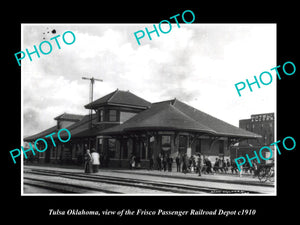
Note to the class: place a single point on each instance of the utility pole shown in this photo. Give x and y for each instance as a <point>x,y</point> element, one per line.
<point>91,99</point>
<point>91,93</point>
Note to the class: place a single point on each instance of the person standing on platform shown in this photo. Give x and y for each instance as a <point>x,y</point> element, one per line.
<point>87,161</point>
<point>241,170</point>
<point>208,166</point>
<point>184,163</point>
<point>161,161</point>
<point>132,162</point>
<point>95,160</point>
<point>151,162</point>
<point>170,162</point>
<point>158,161</point>
<point>178,162</point>
<point>165,162</point>
<point>101,160</point>
<point>200,164</point>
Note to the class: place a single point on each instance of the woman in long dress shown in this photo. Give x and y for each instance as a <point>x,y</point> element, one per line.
<point>87,161</point>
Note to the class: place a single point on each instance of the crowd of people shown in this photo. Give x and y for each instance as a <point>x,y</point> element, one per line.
<point>197,163</point>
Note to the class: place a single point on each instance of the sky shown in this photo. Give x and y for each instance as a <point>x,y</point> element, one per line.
<point>198,64</point>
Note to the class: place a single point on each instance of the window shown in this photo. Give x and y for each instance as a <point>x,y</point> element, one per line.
<point>100,145</point>
<point>182,144</point>
<point>100,115</point>
<point>182,141</point>
<point>126,116</point>
<point>166,142</point>
<point>125,149</point>
<point>112,148</point>
<point>270,117</point>
<point>198,146</point>
<point>151,146</point>
<point>247,127</point>
<point>112,115</point>
<point>52,152</point>
<point>221,147</point>
<point>143,151</point>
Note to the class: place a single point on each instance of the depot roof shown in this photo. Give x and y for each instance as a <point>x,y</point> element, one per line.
<point>80,129</point>
<point>41,134</point>
<point>167,115</point>
<point>75,129</point>
<point>118,97</point>
<point>176,115</point>
<point>69,117</point>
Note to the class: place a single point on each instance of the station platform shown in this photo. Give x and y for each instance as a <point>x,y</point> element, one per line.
<point>228,178</point>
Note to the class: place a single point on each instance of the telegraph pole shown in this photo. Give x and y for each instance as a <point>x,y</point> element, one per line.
<point>91,85</point>
<point>92,79</point>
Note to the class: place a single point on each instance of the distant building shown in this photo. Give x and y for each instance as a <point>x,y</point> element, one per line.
<point>262,124</point>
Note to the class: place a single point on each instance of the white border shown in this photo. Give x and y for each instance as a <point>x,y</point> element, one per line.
<point>178,195</point>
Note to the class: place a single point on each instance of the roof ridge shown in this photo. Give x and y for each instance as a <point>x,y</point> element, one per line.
<point>197,122</point>
<point>195,109</point>
<point>114,93</point>
<point>132,119</point>
<point>217,119</point>
<point>65,114</point>
<point>174,101</point>
<point>81,122</point>
<point>170,101</point>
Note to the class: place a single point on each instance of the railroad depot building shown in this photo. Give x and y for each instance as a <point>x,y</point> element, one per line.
<point>123,124</point>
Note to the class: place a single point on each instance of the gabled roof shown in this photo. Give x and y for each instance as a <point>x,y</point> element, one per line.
<point>166,115</point>
<point>41,134</point>
<point>118,97</point>
<point>176,115</point>
<point>162,116</point>
<point>69,117</point>
<point>219,126</point>
<point>75,129</point>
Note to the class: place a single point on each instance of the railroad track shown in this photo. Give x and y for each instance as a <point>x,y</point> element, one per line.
<point>129,182</point>
<point>60,187</point>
